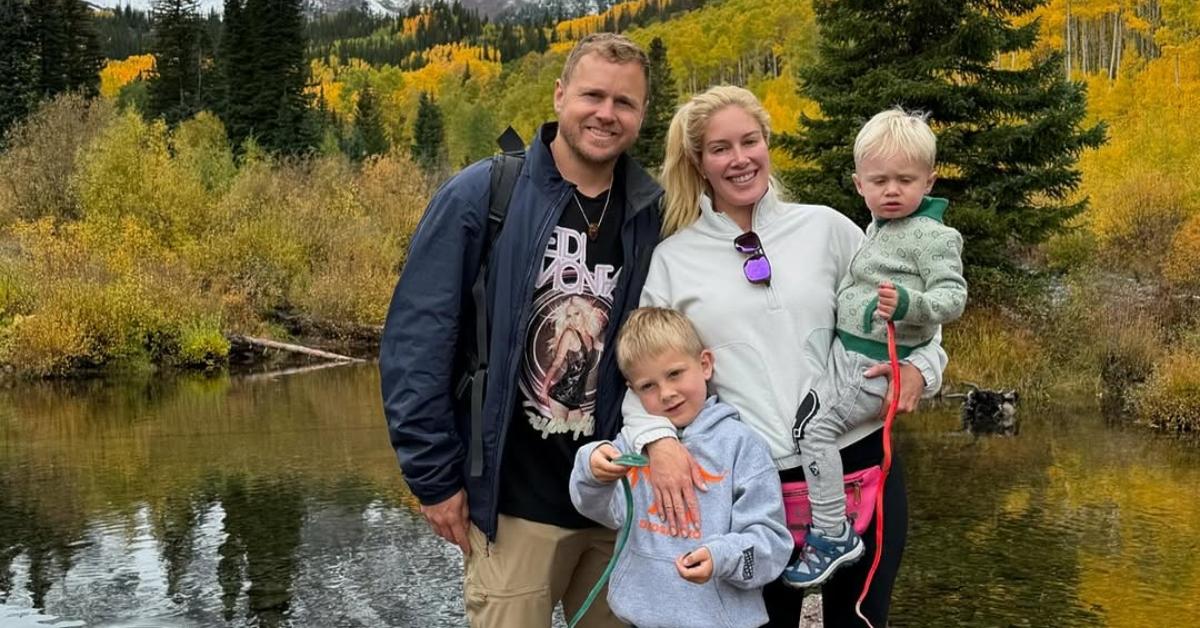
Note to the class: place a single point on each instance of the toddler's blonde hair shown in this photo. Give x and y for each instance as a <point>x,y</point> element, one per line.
<point>896,132</point>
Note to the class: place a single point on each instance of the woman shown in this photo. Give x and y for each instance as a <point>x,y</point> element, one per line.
<point>575,351</point>
<point>758,277</point>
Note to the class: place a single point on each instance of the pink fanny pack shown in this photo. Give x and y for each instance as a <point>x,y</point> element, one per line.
<point>862,487</point>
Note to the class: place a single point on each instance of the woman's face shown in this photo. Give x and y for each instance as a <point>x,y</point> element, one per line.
<point>734,159</point>
<point>574,316</point>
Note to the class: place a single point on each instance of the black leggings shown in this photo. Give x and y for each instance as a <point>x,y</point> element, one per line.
<point>841,592</point>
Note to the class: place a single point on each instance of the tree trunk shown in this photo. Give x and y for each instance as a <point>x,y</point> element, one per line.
<point>1115,59</point>
<point>283,346</point>
<point>1067,45</point>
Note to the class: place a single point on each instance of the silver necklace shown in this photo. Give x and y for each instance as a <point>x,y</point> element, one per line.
<point>594,227</point>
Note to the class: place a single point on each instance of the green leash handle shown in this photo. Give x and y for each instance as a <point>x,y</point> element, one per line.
<point>629,460</point>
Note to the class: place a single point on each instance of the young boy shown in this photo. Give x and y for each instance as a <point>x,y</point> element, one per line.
<point>908,270</point>
<point>742,542</point>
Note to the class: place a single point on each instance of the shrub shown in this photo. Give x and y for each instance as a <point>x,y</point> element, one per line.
<point>128,172</point>
<point>43,152</point>
<point>1170,400</point>
<point>1182,265</point>
<point>991,348</point>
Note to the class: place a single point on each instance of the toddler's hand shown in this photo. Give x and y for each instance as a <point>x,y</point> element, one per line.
<point>603,467</point>
<point>695,566</point>
<point>889,298</point>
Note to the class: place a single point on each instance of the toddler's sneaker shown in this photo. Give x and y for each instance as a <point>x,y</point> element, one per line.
<point>821,556</point>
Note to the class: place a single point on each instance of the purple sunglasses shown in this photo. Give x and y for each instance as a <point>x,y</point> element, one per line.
<point>757,267</point>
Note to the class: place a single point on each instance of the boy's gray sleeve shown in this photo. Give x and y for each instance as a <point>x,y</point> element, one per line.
<point>757,547</point>
<point>602,502</point>
<point>945,295</point>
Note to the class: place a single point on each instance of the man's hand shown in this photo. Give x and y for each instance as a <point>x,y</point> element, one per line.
<point>450,520</point>
<point>912,384</point>
<point>603,467</point>
<point>695,566</point>
<point>889,299</point>
<point>673,472</point>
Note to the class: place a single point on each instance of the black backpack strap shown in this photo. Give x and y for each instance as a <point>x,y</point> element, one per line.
<point>506,168</point>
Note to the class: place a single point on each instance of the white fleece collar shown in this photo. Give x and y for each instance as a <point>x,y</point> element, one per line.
<point>718,224</point>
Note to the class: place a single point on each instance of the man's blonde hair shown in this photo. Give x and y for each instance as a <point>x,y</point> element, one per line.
<point>896,132</point>
<point>611,47</point>
<point>651,331</point>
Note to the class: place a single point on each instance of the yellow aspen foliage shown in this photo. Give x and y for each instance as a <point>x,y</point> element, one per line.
<point>576,28</point>
<point>118,74</point>
<point>1182,266</point>
<point>450,60</point>
<point>410,25</point>
<point>1141,183</point>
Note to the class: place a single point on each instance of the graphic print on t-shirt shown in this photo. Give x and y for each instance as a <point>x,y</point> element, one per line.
<point>566,337</point>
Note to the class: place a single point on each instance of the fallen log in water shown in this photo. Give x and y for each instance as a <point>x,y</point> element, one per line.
<point>292,348</point>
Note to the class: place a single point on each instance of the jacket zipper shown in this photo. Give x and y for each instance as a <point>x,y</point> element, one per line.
<point>552,218</point>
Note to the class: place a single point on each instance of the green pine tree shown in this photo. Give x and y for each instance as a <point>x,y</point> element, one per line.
<point>18,67</point>
<point>368,124</point>
<point>428,133</point>
<point>1008,139</point>
<point>235,78</point>
<point>664,96</point>
<point>263,74</point>
<point>81,59</point>
<point>174,89</point>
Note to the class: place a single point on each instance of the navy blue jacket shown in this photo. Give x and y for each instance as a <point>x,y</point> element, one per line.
<point>420,356</point>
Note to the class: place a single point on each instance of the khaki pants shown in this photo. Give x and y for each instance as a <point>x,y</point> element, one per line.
<point>516,581</point>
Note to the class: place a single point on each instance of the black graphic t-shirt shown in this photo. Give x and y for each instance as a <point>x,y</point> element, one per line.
<point>565,339</point>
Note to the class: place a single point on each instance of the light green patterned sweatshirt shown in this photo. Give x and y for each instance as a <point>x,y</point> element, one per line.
<point>923,258</point>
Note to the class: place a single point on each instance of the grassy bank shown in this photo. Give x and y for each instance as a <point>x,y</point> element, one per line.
<point>125,245</point>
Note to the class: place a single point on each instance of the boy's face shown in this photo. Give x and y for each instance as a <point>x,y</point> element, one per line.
<point>673,384</point>
<point>893,186</point>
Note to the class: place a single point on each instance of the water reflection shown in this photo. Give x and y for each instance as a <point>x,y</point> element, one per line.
<point>218,501</point>
<point>212,502</point>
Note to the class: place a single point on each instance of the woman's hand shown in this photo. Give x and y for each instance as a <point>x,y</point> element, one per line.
<point>673,473</point>
<point>912,384</point>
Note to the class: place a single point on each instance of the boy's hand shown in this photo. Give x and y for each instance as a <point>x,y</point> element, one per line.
<point>889,298</point>
<point>603,467</point>
<point>695,566</point>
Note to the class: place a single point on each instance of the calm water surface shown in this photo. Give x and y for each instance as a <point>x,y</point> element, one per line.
<point>277,501</point>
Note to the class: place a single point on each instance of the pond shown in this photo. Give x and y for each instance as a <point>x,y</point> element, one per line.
<point>277,501</point>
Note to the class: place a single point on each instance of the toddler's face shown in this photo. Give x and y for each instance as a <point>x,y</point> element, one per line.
<point>673,384</point>
<point>893,186</point>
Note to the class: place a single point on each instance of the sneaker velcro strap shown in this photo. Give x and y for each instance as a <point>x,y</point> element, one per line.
<point>820,543</point>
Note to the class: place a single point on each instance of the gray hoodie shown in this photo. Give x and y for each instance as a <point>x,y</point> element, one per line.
<point>743,528</point>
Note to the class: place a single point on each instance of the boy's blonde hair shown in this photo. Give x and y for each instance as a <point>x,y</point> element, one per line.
<point>651,331</point>
<point>897,132</point>
<point>681,177</point>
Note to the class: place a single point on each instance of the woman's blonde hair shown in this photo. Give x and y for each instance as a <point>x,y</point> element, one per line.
<point>681,177</point>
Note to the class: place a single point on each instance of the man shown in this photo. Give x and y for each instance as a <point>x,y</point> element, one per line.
<point>566,269</point>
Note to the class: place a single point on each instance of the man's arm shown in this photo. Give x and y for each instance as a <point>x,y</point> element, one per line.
<point>417,354</point>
